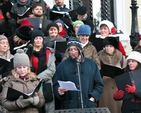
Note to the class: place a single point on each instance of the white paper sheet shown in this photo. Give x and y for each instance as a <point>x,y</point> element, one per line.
<point>68,85</point>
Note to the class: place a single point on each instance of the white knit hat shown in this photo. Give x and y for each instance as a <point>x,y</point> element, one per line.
<point>109,24</point>
<point>135,56</point>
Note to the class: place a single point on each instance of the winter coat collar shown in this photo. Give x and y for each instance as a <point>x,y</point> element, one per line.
<point>106,59</point>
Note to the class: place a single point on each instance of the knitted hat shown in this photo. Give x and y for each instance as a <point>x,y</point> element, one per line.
<point>84,30</point>
<point>52,25</point>
<point>59,21</point>
<point>2,37</point>
<point>26,22</point>
<point>21,59</point>
<point>81,10</point>
<point>77,22</point>
<point>135,56</point>
<point>35,33</point>
<point>74,42</point>
<point>109,24</point>
<point>111,41</point>
<point>23,32</point>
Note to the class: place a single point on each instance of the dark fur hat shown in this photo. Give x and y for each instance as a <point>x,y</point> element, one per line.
<point>23,32</point>
<point>111,41</point>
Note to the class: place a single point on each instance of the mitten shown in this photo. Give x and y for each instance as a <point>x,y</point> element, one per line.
<point>118,94</point>
<point>131,89</point>
<point>35,99</point>
<point>21,102</point>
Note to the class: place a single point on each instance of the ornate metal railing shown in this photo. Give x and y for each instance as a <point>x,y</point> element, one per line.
<point>134,24</point>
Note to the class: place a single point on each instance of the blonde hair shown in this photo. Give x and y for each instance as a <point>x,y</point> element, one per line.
<point>29,73</point>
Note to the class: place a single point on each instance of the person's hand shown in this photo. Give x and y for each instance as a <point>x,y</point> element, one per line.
<point>118,94</point>
<point>35,99</point>
<point>21,102</point>
<point>91,99</point>
<point>130,89</point>
<point>47,6</point>
<point>31,15</point>
<point>61,91</point>
<point>19,20</point>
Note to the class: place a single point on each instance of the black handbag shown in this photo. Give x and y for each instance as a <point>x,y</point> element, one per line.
<point>47,92</point>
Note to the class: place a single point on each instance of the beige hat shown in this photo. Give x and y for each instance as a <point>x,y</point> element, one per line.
<point>21,59</point>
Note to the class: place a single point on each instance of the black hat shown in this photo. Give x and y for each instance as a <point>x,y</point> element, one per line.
<point>35,33</point>
<point>23,32</point>
<point>52,25</point>
<point>74,42</point>
<point>81,10</point>
<point>111,41</point>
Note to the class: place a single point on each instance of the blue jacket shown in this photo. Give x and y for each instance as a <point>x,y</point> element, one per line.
<point>91,82</point>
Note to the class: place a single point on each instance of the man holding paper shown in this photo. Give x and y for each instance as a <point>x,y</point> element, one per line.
<point>84,73</point>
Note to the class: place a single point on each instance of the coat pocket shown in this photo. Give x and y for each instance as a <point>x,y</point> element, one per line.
<point>90,104</point>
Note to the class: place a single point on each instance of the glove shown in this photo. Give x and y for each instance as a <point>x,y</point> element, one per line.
<point>118,94</point>
<point>130,89</point>
<point>35,99</point>
<point>21,102</point>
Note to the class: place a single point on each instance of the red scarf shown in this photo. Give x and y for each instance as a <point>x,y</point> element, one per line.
<point>35,62</point>
<point>62,33</point>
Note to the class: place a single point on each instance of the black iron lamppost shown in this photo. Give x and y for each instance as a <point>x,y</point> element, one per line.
<point>134,25</point>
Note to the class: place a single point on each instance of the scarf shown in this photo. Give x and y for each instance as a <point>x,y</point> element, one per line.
<point>27,3</point>
<point>62,33</point>
<point>41,56</point>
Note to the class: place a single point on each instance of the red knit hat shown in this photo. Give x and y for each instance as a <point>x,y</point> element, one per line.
<point>26,22</point>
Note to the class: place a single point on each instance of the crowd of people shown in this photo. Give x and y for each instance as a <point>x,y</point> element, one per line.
<point>33,57</point>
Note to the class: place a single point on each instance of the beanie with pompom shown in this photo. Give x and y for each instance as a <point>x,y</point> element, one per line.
<point>21,59</point>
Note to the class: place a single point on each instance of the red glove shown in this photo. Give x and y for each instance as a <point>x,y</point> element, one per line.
<point>131,89</point>
<point>118,94</point>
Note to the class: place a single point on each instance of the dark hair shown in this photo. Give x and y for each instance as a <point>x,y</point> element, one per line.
<point>35,5</point>
<point>128,70</point>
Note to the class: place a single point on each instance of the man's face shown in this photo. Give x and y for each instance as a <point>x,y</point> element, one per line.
<point>59,2</point>
<point>81,17</point>
<point>38,11</point>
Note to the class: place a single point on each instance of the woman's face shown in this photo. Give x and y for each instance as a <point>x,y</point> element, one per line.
<point>60,26</point>
<point>139,43</point>
<point>109,49</point>
<point>38,41</point>
<point>104,30</point>
<point>83,38</point>
<point>73,51</point>
<point>22,70</point>
<point>132,64</point>
<point>76,28</point>
<point>4,45</point>
<point>53,32</point>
